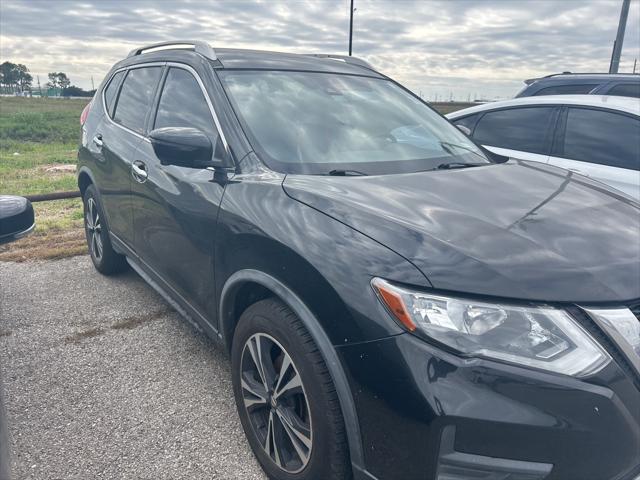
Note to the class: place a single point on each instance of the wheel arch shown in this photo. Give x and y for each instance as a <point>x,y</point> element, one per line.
<point>85,178</point>
<point>262,285</point>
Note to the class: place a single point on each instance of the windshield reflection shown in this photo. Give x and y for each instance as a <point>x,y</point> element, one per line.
<point>303,122</point>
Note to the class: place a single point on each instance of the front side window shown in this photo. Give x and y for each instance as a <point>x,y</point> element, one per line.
<point>302,122</point>
<point>136,96</point>
<point>626,90</point>
<point>182,104</point>
<point>566,90</point>
<point>525,129</point>
<point>111,91</point>
<point>468,121</point>
<point>602,137</point>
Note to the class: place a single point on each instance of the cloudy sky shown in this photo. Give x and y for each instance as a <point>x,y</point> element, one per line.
<point>459,48</point>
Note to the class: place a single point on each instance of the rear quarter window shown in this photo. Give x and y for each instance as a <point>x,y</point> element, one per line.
<point>111,91</point>
<point>605,138</point>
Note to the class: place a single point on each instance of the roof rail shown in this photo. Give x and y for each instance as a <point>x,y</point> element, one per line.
<point>590,73</point>
<point>345,58</point>
<point>203,48</point>
<point>529,81</point>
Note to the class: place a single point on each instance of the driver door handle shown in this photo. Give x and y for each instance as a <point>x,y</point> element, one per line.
<point>139,171</point>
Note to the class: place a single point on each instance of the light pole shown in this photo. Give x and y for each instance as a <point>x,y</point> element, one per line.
<point>351,29</point>
<point>617,45</point>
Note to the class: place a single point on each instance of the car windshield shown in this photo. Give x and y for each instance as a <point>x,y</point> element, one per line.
<point>322,123</point>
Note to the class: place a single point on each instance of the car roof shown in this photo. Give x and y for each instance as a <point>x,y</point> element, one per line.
<point>623,104</point>
<point>262,59</point>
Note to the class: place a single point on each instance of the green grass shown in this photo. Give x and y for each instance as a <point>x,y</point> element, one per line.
<point>39,120</point>
<point>36,134</point>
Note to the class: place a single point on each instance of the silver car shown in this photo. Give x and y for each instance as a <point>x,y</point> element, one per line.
<point>593,135</point>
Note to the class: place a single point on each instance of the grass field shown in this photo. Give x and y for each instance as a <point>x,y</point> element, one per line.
<point>38,147</point>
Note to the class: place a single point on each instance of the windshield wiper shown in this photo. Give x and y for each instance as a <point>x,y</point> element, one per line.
<point>453,165</point>
<point>344,173</point>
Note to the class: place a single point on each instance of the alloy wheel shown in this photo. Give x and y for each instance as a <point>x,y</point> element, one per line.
<point>94,229</point>
<point>276,403</point>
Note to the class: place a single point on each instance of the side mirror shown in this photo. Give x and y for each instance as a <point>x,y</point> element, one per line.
<point>184,147</point>
<point>464,129</point>
<point>16,218</point>
<point>494,157</point>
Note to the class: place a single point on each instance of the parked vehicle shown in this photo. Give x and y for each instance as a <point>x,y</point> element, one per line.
<point>592,135</point>
<point>396,304</point>
<point>16,221</point>
<point>567,83</point>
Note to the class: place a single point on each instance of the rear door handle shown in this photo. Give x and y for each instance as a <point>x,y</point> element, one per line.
<point>98,140</point>
<point>575,170</point>
<point>139,171</point>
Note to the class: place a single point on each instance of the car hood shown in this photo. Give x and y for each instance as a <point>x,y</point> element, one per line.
<point>521,230</point>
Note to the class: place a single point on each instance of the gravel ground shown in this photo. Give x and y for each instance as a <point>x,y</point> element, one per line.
<point>104,380</point>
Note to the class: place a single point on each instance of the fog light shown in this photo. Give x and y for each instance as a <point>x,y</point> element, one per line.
<point>454,465</point>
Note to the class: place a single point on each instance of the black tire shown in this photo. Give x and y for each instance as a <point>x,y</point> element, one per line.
<point>104,258</point>
<point>328,456</point>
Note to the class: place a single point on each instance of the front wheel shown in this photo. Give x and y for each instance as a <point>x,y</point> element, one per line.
<point>285,397</point>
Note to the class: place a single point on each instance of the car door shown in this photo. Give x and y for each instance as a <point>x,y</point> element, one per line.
<point>111,148</point>
<point>601,144</point>
<point>523,133</point>
<point>175,208</point>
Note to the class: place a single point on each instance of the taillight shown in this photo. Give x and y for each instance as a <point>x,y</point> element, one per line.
<point>85,112</point>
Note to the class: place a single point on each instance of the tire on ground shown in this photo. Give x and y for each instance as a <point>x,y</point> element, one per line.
<point>329,457</point>
<point>106,260</point>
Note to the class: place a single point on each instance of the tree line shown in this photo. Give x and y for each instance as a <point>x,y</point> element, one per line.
<point>16,78</point>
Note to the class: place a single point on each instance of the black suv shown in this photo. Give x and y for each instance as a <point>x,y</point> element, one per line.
<point>567,83</point>
<point>396,304</point>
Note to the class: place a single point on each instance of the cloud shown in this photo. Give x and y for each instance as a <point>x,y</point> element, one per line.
<point>461,48</point>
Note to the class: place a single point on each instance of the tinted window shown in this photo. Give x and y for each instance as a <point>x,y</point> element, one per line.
<point>136,96</point>
<point>111,91</point>
<point>566,90</point>
<point>468,121</point>
<point>182,104</point>
<point>626,90</point>
<point>523,129</point>
<point>602,137</point>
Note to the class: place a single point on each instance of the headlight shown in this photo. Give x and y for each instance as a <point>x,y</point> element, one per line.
<point>539,337</point>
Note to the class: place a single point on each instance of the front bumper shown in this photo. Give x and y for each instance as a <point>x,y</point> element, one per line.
<point>426,414</point>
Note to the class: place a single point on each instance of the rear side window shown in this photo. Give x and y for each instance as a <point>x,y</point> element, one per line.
<point>626,90</point>
<point>136,96</point>
<point>111,91</point>
<point>602,137</point>
<point>182,104</point>
<point>524,129</point>
<point>566,90</point>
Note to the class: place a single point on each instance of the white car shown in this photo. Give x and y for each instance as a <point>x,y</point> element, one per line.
<point>593,135</point>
